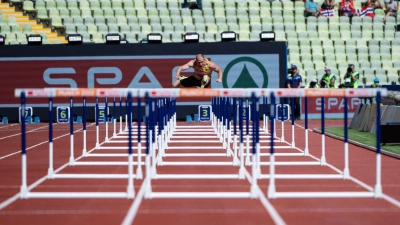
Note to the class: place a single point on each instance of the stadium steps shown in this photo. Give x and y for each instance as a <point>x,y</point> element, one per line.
<point>8,11</point>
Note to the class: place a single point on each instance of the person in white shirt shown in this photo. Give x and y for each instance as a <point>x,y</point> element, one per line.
<point>391,8</point>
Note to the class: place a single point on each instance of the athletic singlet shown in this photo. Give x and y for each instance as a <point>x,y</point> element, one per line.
<point>199,71</point>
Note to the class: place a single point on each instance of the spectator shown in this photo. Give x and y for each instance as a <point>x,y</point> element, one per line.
<point>352,75</point>
<point>374,85</point>
<point>311,8</point>
<point>376,4</point>
<point>295,81</point>
<point>348,9</point>
<point>328,12</point>
<point>196,5</point>
<point>391,8</point>
<point>328,79</point>
<point>313,84</point>
<point>368,9</point>
<point>328,4</point>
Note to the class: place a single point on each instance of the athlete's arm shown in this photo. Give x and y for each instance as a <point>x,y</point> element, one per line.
<point>184,67</point>
<point>216,68</point>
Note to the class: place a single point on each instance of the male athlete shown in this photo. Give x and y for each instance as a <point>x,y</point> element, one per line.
<point>202,73</point>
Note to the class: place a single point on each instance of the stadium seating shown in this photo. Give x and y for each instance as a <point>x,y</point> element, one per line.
<point>312,42</point>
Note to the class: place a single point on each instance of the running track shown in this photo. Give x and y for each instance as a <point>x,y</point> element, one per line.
<point>191,211</point>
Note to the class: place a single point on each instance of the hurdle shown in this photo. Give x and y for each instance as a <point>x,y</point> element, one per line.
<point>272,193</point>
<point>25,193</point>
<point>219,117</point>
<point>167,127</point>
<point>277,139</point>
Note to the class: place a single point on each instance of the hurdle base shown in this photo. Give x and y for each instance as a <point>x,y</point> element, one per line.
<point>24,192</point>
<point>254,191</point>
<point>50,173</point>
<point>346,174</point>
<point>236,161</point>
<point>130,192</point>
<point>71,161</point>
<point>91,176</point>
<point>139,173</point>
<point>197,176</point>
<point>77,195</point>
<point>324,195</point>
<point>378,191</point>
<point>271,191</point>
<point>302,176</point>
<point>242,172</point>
<point>200,195</point>
<point>323,161</point>
<point>197,164</point>
<point>247,160</point>
<point>305,163</point>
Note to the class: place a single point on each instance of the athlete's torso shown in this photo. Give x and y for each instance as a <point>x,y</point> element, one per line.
<point>201,71</point>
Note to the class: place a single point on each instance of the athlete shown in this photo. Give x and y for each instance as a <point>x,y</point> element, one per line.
<point>202,73</point>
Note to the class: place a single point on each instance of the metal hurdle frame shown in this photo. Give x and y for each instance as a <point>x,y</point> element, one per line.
<point>281,140</point>
<point>252,193</point>
<point>222,128</point>
<point>130,193</point>
<point>255,94</point>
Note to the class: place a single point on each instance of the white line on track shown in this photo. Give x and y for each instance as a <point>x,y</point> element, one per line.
<point>26,132</point>
<point>41,143</point>
<point>30,187</point>
<point>1,127</point>
<point>359,182</point>
<point>268,206</point>
<point>130,216</point>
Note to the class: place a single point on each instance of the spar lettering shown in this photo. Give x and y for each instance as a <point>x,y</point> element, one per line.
<point>333,103</point>
<point>92,80</point>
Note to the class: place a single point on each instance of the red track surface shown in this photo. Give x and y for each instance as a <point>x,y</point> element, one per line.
<point>191,211</point>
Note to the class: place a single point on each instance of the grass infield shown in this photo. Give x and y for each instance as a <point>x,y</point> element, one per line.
<point>365,138</point>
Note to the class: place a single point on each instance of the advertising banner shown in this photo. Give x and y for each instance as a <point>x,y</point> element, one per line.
<point>333,107</point>
<point>149,72</point>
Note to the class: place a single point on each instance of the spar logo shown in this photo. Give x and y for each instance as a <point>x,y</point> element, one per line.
<point>245,72</point>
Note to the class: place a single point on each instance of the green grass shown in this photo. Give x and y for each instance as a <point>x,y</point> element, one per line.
<point>364,138</point>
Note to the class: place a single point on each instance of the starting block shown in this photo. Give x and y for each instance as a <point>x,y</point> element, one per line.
<point>28,119</point>
<point>78,119</point>
<point>36,120</point>
<point>188,118</point>
<point>196,118</point>
<point>4,120</point>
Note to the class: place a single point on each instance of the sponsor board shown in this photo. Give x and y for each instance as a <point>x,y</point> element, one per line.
<point>239,71</point>
<point>333,105</point>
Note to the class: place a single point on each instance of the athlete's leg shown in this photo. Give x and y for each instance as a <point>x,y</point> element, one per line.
<point>204,81</point>
<point>177,84</point>
<point>189,82</point>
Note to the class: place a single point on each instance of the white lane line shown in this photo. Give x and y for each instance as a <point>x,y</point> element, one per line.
<point>130,216</point>
<point>41,143</point>
<point>26,132</point>
<point>11,125</point>
<point>30,187</point>
<point>264,201</point>
<point>359,182</point>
